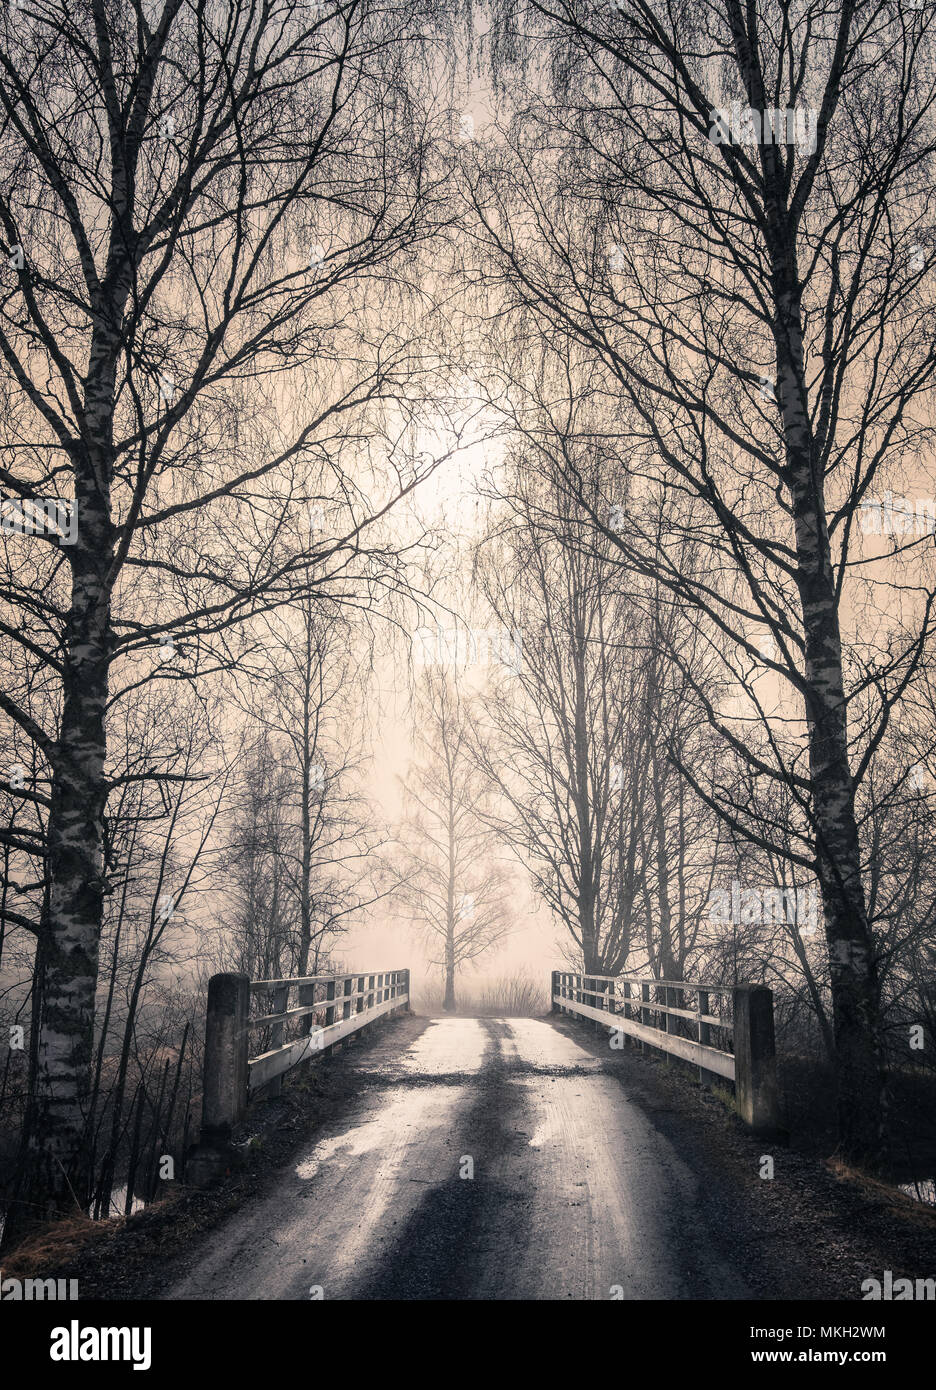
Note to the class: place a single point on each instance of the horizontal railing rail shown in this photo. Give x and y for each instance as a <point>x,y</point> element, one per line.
<point>349,1003</point>
<point>736,1044</point>
<point>328,1008</point>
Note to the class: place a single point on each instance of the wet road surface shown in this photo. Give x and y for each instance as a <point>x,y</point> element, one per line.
<point>490,1159</point>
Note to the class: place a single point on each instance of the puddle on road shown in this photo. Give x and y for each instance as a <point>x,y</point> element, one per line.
<point>448,1046</point>
<point>401,1109</point>
<point>538,1044</point>
<point>352,1144</point>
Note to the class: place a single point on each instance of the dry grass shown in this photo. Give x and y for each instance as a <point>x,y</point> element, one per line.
<point>50,1247</point>
<point>507,996</point>
<point>513,996</point>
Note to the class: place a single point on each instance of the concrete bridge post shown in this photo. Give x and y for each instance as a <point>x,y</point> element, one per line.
<point>755,1058</point>
<point>224,1084</point>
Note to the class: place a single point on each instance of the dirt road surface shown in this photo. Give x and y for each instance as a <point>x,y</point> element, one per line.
<point>492,1159</point>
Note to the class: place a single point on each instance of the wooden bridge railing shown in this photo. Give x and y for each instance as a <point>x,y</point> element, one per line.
<point>330,1007</point>
<point>737,1045</point>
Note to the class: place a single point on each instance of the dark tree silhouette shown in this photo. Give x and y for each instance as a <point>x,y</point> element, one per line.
<point>728,207</point>
<point>193,202</point>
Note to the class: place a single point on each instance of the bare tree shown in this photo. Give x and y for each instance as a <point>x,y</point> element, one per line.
<point>451,879</point>
<point>259,923</point>
<point>580,739</point>
<point>563,733</point>
<point>309,695</point>
<point>726,208</point>
<point>192,200</point>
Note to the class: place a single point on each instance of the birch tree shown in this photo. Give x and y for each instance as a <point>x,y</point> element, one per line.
<point>208,216</point>
<point>729,208</point>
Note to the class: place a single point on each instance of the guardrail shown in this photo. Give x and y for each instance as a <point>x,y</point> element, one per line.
<point>739,1047</point>
<point>335,1006</point>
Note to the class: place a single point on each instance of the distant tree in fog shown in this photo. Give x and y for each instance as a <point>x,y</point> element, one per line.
<point>452,881</point>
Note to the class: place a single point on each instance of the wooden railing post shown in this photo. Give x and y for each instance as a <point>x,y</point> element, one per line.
<point>598,999</point>
<point>553,991</point>
<point>670,1021</point>
<point>705,1029</point>
<point>279,999</point>
<point>306,996</point>
<point>645,1017</point>
<point>755,1058</point>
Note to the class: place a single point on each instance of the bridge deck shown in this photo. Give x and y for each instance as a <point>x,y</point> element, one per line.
<point>574,1191</point>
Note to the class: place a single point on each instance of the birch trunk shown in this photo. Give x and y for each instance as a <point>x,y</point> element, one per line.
<point>852,962</point>
<point>56,1177</point>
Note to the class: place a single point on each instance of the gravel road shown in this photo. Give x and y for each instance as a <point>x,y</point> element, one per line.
<point>492,1159</point>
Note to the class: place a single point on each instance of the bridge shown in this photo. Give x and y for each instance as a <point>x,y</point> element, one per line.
<point>477,1158</point>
